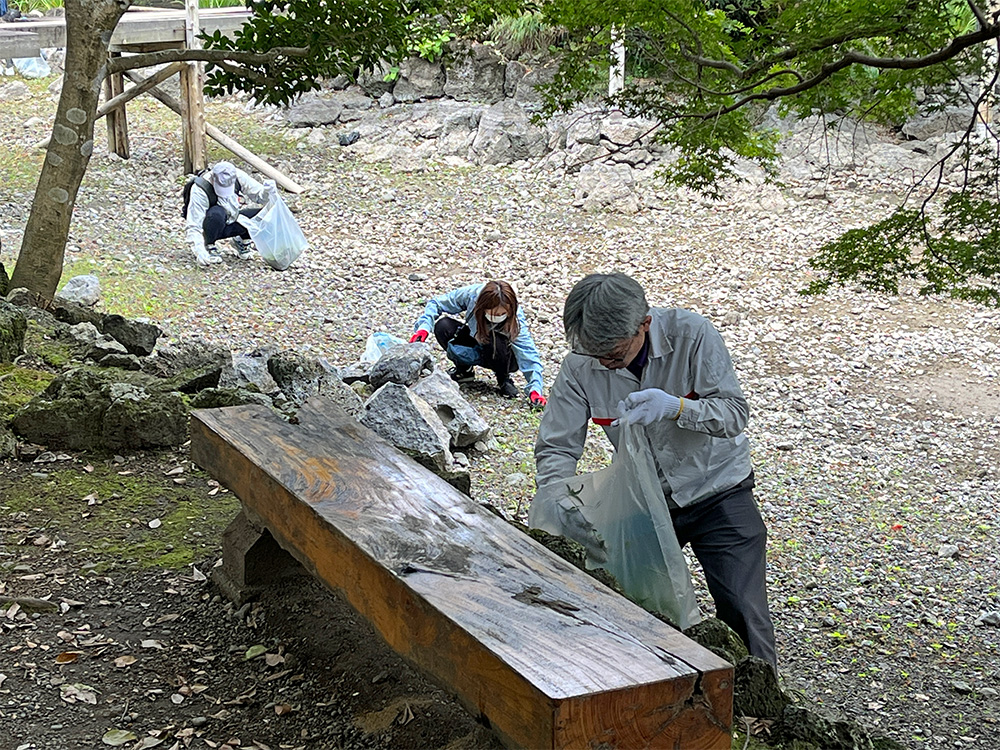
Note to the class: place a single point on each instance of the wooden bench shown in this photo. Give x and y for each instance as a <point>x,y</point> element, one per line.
<point>551,657</point>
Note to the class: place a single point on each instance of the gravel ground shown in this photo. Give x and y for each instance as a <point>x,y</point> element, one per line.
<point>874,419</point>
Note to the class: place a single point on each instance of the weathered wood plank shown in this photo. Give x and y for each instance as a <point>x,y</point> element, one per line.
<point>551,657</point>
<point>133,28</point>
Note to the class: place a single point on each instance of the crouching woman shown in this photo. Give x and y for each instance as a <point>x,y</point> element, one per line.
<point>492,333</point>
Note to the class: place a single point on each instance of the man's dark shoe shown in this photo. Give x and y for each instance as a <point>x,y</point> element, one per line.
<point>507,389</point>
<point>461,376</point>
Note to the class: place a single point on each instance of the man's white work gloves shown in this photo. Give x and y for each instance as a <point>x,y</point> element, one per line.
<point>648,406</point>
<point>271,188</point>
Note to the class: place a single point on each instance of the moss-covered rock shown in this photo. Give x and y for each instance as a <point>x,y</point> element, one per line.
<point>104,409</point>
<point>756,691</point>
<point>215,398</point>
<point>18,385</point>
<point>716,636</point>
<point>4,281</point>
<point>13,325</point>
<point>8,443</point>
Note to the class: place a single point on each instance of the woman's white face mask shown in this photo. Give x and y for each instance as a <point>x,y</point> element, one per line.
<point>496,318</point>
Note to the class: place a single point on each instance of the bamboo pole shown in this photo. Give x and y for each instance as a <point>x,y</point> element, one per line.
<point>229,143</point>
<point>140,88</point>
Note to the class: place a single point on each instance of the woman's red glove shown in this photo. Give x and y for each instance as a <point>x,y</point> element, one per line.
<point>537,400</point>
<point>420,335</point>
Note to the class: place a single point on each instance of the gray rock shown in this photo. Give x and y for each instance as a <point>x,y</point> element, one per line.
<point>947,550</point>
<point>8,443</point>
<point>609,187</point>
<point>401,364</point>
<point>476,76</point>
<point>961,687</point>
<point>506,134</point>
<point>526,91</point>
<point>936,124</point>
<point>14,91</point>
<point>189,365</point>
<point>374,83</point>
<point>312,110</point>
<point>418,79</point>
<point>297,376</point>
<point>84,290</point>
<point>409,423</point>
<point>248,371</point>
<point>136,336</point>
<point>989,618</point>
<point>356,373</point>
<point>92,343</point>
<point>513,74</point>
<point>459,417</point>
<point>13,325</point>
<point>336,390</point>
<point>386,100</point>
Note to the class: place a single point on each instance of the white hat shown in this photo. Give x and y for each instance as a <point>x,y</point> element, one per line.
<point>224,179</point>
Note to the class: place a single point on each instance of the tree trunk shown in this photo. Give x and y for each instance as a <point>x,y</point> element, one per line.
<point>89,24</point>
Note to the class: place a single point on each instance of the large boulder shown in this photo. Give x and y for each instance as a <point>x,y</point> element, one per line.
<point>476,76</point>
<point>419,79</point>
<point>13,325</point>
<point>91,409</point>
<point>301,378</point>
<point>189,366</point>
<point>402,363</point>
<point>248,371</point>
<point>506,134</point>
<point>136,336</point>
<point>312,110</point>
<point>409,423</point>
<point>92,344</point>
<point>464,424</point>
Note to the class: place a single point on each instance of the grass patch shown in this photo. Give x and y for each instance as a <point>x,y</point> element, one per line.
<point>107,515</point>
<point>19,169</point>
<point>134,292</point>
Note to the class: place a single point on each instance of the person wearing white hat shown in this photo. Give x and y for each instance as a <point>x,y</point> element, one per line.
<point>214,201</point>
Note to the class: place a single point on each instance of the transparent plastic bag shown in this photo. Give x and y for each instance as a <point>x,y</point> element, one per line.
<point>378,344</point>
<point>625,505</point>
<point>32,67</point>
<point>276,234</point>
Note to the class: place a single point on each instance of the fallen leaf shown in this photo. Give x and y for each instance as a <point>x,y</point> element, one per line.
<point>126,473</point>
<point>41,541</point>
<point>282,708</point>
<point>274,660</point>
<point>197,574</point>
<point>174,471</point>
<point>150,643</point>
<point>118,737</point>
<point>68,657</point>
<point>124,661</point>
<point>71,693</point>
<point>88,468</point>
<point>147,742</point>
<point>66,636</point>
<point>2,678</point>
<point>254,651</point>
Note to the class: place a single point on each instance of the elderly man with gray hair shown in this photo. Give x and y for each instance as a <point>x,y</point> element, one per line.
<point>669,370</point>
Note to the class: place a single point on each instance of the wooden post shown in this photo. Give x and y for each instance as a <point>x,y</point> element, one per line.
<point>114,86</point>
<point>193,96</point>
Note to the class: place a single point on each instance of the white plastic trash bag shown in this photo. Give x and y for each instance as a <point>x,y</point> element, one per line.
<point>32,67</point>
<point>378,344</point>
<point>625,505</point>
<point>276,234</point>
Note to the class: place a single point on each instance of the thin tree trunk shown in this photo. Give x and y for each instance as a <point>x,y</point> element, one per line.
<point>89,24</point>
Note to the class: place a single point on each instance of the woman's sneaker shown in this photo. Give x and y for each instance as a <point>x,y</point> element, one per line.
<point>461,376</point>
<point>244,248</point>
<point>507,389</point>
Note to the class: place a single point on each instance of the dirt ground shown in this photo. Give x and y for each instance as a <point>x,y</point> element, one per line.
<point>141,656</point>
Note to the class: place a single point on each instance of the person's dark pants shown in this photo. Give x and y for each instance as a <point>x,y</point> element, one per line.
<point>728,536</point>
<point>216,228</point>
<point>498,354</point>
